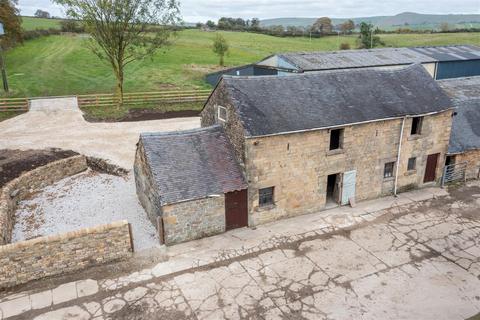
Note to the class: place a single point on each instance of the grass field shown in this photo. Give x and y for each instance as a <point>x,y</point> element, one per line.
<point>31,23</point>
<point>63,65</point>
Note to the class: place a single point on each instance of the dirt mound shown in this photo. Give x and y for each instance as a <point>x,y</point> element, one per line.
<point>14,162</point>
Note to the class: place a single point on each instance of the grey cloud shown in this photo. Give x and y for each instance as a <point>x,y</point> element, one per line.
<point>194,10</point>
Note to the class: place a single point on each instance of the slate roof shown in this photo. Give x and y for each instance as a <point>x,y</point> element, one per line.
<point>466,124</point>
<point>272,105</point>
<point>322,60</point>
<point>193,164</point>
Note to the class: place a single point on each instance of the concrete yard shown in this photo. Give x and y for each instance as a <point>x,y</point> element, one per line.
<point>416,258</point>
<point>85,200</point>
<point>58,123</point>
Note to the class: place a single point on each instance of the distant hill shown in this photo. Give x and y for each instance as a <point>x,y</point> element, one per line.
<point>411,19</point>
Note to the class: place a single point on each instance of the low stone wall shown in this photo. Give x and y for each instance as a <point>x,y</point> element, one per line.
<point>104,166</point>
<point>19,188</point>
<point>34,259</point>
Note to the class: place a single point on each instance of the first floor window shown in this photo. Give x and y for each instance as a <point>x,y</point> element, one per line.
<point>417,125</point>
<point>265,196</point>
<point>336,139</point>
<point>388,171</point>
<point>412,164</point>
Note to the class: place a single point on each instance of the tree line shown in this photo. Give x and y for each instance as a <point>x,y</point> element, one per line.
<point>322,26</point>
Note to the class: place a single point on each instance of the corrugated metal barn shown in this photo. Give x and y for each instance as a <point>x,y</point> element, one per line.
<point>247,70</point>
<point>441,62</point>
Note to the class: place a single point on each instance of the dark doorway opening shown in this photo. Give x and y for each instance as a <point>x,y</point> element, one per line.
<point>450,160</point>
<point>333,189</point>
<point>236,209</point>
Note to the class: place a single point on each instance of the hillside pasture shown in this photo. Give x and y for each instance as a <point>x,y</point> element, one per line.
<point>63,65</point>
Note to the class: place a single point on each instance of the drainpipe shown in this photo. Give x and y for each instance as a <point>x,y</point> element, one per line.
<point>398,156</point>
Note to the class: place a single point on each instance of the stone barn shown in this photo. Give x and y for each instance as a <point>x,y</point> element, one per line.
<point>317,140</point>
<point>190,183</point>
<point>274,147</point>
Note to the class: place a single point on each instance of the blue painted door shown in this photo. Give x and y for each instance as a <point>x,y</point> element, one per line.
<point>348,188</point>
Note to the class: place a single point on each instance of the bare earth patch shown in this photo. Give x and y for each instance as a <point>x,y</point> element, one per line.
<point>84,200</point>
<point>14,162</point>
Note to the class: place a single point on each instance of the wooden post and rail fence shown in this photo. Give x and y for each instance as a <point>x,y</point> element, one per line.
<point>109,100</point>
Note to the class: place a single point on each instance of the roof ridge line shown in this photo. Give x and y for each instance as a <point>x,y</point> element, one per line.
<point>180,132</point>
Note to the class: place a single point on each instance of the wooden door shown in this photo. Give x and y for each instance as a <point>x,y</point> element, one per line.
<point>236,209</point>
<point>431,169</point>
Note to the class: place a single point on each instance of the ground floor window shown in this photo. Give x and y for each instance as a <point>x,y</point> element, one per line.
<point>412,164</point>
<point>388,171</point>
<point>265,196</point>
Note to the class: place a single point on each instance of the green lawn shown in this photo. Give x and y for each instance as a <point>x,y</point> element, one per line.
<point>63,65</point>
<point>31,23</point>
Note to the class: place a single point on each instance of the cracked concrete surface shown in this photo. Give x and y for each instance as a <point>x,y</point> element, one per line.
<point>420,260</point>
<point>59,123</point>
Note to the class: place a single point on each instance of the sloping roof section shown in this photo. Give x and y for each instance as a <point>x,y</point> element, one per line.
<point>321,60</point>
<point>466,124</point>
<point>193,164</point>
<point>273,105</point>
<point>450,53</point>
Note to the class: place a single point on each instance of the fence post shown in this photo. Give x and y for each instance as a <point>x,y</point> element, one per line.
<point>443,176</point>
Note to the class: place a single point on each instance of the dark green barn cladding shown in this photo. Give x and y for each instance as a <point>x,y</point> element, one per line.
<point>457,69</point>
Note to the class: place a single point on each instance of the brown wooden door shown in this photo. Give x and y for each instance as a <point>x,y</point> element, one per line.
<point>431,169</point>
<point>236,209</point>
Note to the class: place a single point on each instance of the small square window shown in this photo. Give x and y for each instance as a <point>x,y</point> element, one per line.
<point>417,125</point>
<point>222,113</point>
<point>265,197</point>
<point>388,171</point>
<point>336,139</point>
<point>412,164</point>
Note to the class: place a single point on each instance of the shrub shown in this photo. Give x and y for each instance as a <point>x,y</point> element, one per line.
<point>71,26</point>
<point>34,34</point>
<point>345,46</point>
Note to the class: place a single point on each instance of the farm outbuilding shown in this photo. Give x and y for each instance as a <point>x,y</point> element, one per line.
<point>441,62</point>
<point>190,184</point>
<point>464,149</point>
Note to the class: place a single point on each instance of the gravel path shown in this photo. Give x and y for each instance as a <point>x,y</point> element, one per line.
<point>84,200</point>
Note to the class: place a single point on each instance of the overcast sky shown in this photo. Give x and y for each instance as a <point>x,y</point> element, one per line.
<point>195,10</point>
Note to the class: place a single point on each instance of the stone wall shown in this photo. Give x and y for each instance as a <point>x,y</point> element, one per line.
<point>233,127</point>
<point>147,192</point>
<point>195,219</point>
<point>34,259</point>
<point>28,182</point>
<point>472,157</point>
<point>298,164</point>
